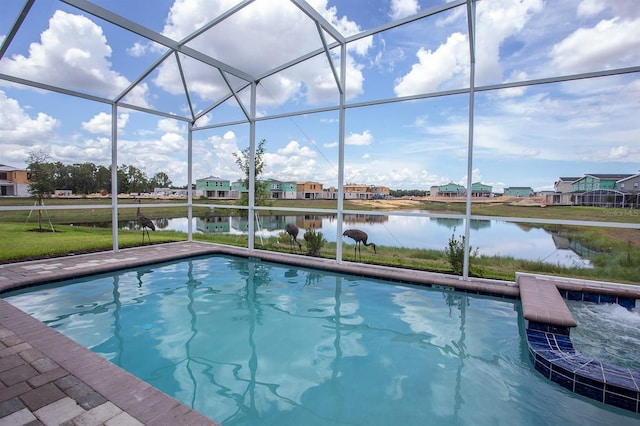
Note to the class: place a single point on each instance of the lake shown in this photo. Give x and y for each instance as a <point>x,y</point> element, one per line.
<point>490,237</point>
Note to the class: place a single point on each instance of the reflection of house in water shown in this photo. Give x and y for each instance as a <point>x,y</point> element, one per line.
<point>267,223</point>
<point>475,224</point>
<point>309,221</point>
<point>563,243</point>
<point>354,219</point>
<point>213,224</point>
<point>448,222</point>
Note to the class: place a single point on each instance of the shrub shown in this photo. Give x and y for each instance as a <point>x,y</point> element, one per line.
<point>315,241</point>
<point>454,253</point>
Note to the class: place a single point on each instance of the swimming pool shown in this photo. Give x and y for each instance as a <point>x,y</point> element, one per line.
<point>252,342</point>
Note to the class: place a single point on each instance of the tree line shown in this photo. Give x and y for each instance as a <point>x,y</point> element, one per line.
<point>408,193</point>
<point>46,177</point>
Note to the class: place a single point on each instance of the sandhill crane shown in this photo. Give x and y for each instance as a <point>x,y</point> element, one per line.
<point>359,237</point>
<point>145,222</point>
<point>293,231</point>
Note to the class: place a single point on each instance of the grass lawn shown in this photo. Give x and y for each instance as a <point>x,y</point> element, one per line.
<point>22,242</point>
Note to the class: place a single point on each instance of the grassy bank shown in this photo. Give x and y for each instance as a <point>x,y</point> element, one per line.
<point>20,243</point>
<point>618,258</point>
<point>26,242</point>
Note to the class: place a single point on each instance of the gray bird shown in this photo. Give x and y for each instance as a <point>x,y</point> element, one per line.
<point>360,237</point>
<point>145,222</point>
<point>293,231</point>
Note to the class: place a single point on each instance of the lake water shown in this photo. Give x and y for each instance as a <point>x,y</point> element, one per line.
<point>490,237</point>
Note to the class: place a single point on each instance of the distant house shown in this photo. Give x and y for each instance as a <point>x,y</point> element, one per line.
<point>629,184</point>
<point>597,181</point>
<point>237,188</point>
<point>173,192</point>
<point>481,190</point>
<point>14,182</point>
<point>309,190</point>
<point>330,193</point>
<point>279,190</point>
<point>519,191</point>
<point>563,190</point>
<point>354,191</point>
<point>379,192</point>
<point>451,190</point>
<point>605,190</point>
<point>213,187</point>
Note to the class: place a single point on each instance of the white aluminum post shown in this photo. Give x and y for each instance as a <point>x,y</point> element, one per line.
<point>472,71</point>
<point>189,181</point>
<point>252,165</point>
<point>114,175</point>
<point>343,77</point>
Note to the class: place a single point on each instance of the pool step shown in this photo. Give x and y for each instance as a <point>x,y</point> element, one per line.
<point>551,351</point>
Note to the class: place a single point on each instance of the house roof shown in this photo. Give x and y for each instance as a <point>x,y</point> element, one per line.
<point>5,168</point>
<point>569,179</point>
<point>629,177</point>
<point>615,176</point>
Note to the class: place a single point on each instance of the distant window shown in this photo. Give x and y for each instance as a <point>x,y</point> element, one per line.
<point>635,185</point>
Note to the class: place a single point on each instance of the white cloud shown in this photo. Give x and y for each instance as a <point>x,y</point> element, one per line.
<point>169,125</point>
<point>448,65</point>
<point>260,49</point>
<point>618,152</point>
<point>612,43</point>
<point>72,53</point>
<point>623,8</point>
<point>402,8</point>
<point>138,49</point>
<point>499,21</point>
<point>435,67</point>
<point>364,138</point>
<point>18,127</point>
<point>101,123</point>
<point>293,148</point>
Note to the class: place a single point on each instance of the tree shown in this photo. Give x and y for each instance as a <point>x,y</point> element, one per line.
<point>83,178</point>
<point>41,179</point>
<point>160,180</point>
<point>40,175</point>
<point>261,188</point>
<point>103,179</point>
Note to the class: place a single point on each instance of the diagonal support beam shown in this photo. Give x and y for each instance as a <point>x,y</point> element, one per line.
<point>16,26</point>
<point>316,17</point>
<point>163,40</point>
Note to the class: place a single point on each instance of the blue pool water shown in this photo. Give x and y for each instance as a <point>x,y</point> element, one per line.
<point>247,342</point>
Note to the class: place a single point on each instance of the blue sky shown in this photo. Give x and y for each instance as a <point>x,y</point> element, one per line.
<point>526,136</point>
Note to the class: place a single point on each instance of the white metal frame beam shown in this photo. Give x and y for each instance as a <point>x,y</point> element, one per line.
<point>163,40</point>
